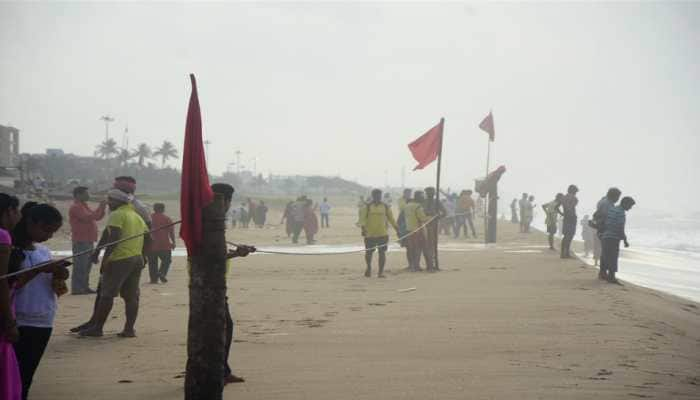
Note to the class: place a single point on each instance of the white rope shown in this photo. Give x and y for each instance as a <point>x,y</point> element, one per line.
<point>293,253</point>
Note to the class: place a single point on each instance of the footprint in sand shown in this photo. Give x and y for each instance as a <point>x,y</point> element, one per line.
<point>312,323</point>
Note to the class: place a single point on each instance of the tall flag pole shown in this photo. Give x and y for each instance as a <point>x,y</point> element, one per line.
<point>425,150</point>
<point>487,126</point>
<point>437,194</point>
<point>202,230</point>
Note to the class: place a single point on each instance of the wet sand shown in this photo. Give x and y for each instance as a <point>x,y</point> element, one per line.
<point>503,322</point>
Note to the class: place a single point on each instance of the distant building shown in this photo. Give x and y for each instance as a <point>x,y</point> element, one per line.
<point>54,152</point>
<point>9,146</point>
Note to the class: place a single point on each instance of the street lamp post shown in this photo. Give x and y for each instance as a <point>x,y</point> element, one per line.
<point>107,119</point>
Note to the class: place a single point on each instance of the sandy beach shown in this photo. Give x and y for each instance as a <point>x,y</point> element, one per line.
<point>507,321</point>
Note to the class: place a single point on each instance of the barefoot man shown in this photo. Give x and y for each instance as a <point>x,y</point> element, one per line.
<point>121,265</point>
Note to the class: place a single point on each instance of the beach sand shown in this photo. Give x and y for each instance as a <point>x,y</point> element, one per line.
<point>511,321</point>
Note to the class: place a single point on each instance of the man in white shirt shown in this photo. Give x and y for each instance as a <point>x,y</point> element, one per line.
<point>325,210</point>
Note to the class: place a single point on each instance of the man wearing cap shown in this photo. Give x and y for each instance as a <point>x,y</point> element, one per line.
<point>121,265</point>
<point>568,205</point>
<point>127,184</point>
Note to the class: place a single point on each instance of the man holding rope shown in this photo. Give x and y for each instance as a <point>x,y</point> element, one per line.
<point>374,218</point>
<point>121,265</point>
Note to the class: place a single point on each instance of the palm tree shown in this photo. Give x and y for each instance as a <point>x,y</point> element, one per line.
<point>107,148</point>
<point>165,151</point>
<point>142,152</point>
<point>123,157</point>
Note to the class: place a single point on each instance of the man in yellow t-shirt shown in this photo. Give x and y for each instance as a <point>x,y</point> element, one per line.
<point>121,265</point>
<point>374,218</point>
<point>416,243</point>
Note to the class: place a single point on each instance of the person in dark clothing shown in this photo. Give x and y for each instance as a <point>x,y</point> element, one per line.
<point>613,234</point>
<point>261,214</point>
<point>514,211</point>
<point>568,204</point>
<point>599,218</point>
<point>240,251</point>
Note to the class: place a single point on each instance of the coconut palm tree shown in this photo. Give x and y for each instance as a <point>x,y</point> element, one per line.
<point>123,157</point>
<point>107,148</point>
<point>142,152</point>
<point>165,151</point>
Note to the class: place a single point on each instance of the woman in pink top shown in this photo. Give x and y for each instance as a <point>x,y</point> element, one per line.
<point>10,381</point>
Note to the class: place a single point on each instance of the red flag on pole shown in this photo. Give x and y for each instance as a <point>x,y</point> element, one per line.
<point>426,148</point>
<point>487,126</point>
<point>195,192</point>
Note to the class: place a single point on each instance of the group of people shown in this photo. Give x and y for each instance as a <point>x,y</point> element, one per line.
<point>416,227</point>
<point>301,215</point>
<point>526,206</point>
<point>248,211</point>
<point>460,211</point>
<point>28,301</point>
<point>602,234</point>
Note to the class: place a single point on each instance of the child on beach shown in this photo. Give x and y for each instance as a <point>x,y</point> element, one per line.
<point>36,291</point>
<point>588,235</point>
<point>10,381</point>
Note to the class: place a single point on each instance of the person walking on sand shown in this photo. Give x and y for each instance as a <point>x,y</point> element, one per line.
<point>261,214</point>
<point>569,203</point>
<point>528,214</point>
<point>588,235</point>
<point>325,210</point>
<point>374,219</point>
<point>297,214</point>
<point>522,203</point>
<point>161,246</point>
<point>552,211</point>
<point>83,224</point>
<point>416,243</point>
<point>514,211</point>
<point>287,219</point>
<point>121,265</point>
<point>310,221</point>
<point>613,234</point>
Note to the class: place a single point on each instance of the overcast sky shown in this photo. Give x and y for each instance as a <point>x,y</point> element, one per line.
<point>592,94</point>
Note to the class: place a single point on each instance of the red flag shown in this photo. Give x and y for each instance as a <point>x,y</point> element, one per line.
<point>195,192</point>
<point>426,148</point>
<point>487,126</point>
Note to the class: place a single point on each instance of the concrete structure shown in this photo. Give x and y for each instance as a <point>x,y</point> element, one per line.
<point>9,146</point>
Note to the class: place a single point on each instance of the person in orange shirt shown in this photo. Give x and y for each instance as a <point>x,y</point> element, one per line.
<point>83,223</point>
<point>162,244</point>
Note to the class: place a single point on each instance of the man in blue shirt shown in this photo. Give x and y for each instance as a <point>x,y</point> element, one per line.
<point>611,237</point>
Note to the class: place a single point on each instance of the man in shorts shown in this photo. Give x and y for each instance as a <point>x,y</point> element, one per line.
<point>374,218</point>
<point>121,265</point>
<point>552,211</point>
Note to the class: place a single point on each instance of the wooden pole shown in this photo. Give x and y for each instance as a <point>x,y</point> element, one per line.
<point>437,194</point>
<point>486,199</point>
<point>206,340</point>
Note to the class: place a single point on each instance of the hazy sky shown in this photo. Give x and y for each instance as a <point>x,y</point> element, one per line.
<point>593,94</point>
